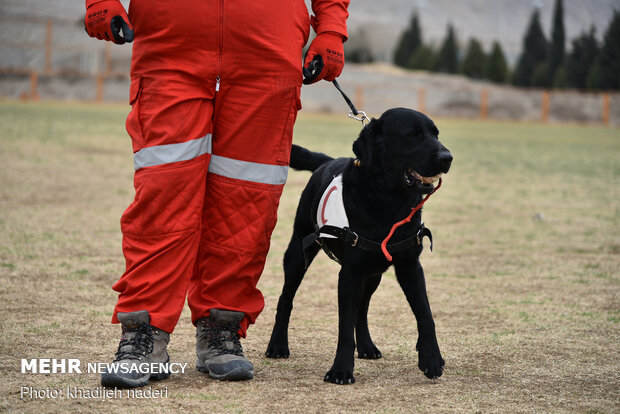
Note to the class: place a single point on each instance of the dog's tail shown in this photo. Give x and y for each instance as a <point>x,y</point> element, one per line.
<point>306,160</point>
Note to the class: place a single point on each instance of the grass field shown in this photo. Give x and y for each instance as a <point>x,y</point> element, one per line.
<point>524,280</point>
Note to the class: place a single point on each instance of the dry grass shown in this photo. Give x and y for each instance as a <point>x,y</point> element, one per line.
<point>523,282</point>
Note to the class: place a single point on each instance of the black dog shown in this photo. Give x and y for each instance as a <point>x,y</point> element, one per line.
<point>399,157</point>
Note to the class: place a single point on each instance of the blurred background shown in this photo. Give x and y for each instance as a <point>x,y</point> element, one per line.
<point>529,60</point>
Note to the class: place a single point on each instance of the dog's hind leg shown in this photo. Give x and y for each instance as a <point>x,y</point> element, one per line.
<point>294,271</point>
<point>366,349</point>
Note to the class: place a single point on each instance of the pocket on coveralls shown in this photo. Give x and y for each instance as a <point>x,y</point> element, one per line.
<point>284,154</point>
<point>134,121</point>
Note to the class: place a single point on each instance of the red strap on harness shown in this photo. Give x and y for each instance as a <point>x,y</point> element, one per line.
<point>404,221</point>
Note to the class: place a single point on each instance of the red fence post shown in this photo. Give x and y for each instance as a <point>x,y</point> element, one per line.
<point>484,104</point>
<point>99,93</point>
<point>422,100</point>
<point>545,107</point>
<point>34,84</point>
<point>605,115</point>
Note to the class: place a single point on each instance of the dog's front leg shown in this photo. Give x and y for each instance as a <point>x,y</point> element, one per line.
<point>349,293</point>
<point>411,279</point>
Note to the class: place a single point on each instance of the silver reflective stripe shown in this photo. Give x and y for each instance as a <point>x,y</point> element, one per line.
<point>166,154</point>
<point>248,171</point>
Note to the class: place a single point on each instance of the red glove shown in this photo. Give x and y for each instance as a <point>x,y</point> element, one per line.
<point>105,19</point>
<point>325,58</point>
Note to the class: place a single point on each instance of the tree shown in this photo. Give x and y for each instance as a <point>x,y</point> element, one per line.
<point>409,42</point>
<point>496,68</point>
<point>556,49</point>
<point>356,48</point>
<point>447,58</point>
<point>559,80</point>
<point>422,59</point>
<point>581,58</point>
<point>594,74</point>
<point>534,52</point>
<point>609,75</point>
<point>540,76</point>
<point>474,61</point>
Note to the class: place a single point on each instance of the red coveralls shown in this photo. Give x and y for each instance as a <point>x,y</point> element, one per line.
<point>215,88</point>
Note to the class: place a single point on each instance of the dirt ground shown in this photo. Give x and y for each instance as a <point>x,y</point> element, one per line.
<point>523,280</point>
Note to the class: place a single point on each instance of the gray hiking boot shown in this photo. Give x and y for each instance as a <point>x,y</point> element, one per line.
<point>141,354</point>
<point>218,347</point>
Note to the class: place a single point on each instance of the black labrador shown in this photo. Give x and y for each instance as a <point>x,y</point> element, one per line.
<point>399,157</point>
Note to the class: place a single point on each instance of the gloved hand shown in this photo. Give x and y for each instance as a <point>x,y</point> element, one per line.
<point>105,19</point>
<point>325,58</point>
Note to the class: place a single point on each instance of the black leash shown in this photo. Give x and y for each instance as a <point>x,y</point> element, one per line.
<point>346,98</point>
<point>354,112</point>
<point>312,71</point>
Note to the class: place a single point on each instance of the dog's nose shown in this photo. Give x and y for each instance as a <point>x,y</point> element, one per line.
<point>445,160</point>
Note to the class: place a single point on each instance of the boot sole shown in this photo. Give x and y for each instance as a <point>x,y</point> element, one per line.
<point>237,374</point>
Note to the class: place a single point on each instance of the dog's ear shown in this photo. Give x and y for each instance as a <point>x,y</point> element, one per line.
<point>364,145</point>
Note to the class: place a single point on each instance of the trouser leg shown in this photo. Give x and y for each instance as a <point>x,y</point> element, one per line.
<point>161,228</point>
<point>255,110</point>
<point>245,180</point>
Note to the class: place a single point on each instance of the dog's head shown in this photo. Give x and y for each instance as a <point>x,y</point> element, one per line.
<point>401,149</point>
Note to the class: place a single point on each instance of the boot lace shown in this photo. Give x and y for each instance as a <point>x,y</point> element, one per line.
<point>217,334</point>
<point>139,345</point>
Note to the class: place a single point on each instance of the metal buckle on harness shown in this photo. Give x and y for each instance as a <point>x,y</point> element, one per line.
<point>420,231</point>
<point>348,236</point>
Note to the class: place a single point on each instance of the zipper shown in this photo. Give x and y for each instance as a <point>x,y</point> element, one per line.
<point>221,46</point>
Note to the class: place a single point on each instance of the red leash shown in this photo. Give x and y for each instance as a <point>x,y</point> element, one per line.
<point>404,221</point>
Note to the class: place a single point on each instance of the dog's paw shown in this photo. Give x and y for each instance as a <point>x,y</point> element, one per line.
<point>277,351</point>
<point>340,377</point>
<point>431,366</point>
<point>368,352</point>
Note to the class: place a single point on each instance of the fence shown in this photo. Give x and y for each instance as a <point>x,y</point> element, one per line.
<point>378,87</point>
<point>57,60</point>
<point>35,51</point>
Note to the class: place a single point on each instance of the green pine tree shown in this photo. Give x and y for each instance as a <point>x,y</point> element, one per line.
<point>559,80</point>
<point>557,49</point>
<point>534,53</point>
<point>474,61</point>
<point>409,42</point>
<point>496,67</point>
<point>357,49</point>
<point>581,58</point>
<point>594,74</point>
<point>540,76</point>
<point>447,58</point>
<point>422,59</point>
<point>610,55</point>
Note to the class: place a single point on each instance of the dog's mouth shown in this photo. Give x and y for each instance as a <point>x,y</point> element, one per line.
<point>418,182</point>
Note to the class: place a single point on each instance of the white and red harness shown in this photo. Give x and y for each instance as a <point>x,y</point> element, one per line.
<point>332,223</point>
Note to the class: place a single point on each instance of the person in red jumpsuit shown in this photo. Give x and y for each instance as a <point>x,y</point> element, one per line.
<point>215,90</point>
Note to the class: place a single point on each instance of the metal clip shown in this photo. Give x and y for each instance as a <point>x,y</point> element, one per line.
<point>361,118</point>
